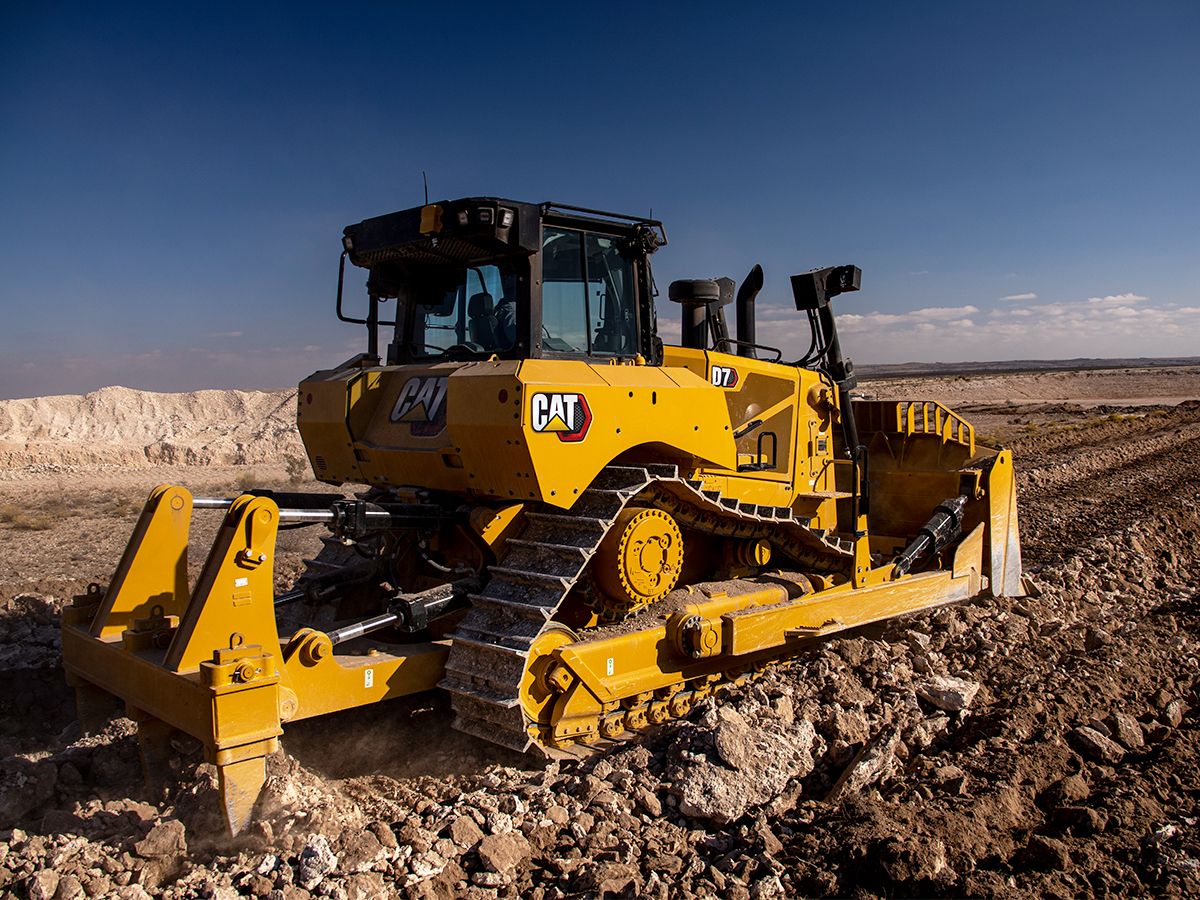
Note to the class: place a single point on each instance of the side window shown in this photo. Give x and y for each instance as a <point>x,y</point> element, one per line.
<point>588,302</point>
<point>479,313</point>
<point>564,298</point>
<point>611,306</point>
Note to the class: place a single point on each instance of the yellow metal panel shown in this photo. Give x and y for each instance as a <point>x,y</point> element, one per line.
<point>343,682</point>
<point>689,358</point>
<point>431,219</point>
<point>245,714</point>
<point>321,418</point>
<point>485,421</point>
<point>153,569</point>
<point>1003,534</point>
<point>234,600</point>
<point>140,681</point>
<point>363,395</point>
<point>682,416</point>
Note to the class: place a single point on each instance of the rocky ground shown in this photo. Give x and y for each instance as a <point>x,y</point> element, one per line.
<point>1023,747</point>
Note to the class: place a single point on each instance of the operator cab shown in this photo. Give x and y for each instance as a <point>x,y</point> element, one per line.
<point>485,277</point>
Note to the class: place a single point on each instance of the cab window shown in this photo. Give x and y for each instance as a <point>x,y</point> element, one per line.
<point>467,310</point>
<point>588,297</point>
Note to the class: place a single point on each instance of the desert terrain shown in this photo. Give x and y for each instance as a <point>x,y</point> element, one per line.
<point>1041,746</point>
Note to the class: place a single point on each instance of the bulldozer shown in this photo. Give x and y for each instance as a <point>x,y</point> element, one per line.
<point>573,527</point>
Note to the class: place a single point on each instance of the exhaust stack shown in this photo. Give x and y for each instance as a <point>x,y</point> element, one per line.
<point>746,296</point>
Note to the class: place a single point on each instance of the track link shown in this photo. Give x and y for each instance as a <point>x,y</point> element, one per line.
<point>539,568</point>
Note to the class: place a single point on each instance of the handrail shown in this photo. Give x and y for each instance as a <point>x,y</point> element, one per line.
<point>909,417</point>
<point>930,417</point>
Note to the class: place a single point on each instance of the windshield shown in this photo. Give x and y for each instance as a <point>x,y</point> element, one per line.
<point>471,310</point>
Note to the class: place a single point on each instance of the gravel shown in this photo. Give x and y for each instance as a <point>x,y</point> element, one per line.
<point>1019,747</point>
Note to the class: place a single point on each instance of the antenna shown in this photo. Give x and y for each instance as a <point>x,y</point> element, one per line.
<point>425,181</point>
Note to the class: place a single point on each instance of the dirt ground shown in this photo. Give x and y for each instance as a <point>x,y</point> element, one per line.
<point>1041,746</point>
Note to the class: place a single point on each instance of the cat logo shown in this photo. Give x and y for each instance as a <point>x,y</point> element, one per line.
<point>724,376</point>
<point>422,403</point>
<point>567,415</point>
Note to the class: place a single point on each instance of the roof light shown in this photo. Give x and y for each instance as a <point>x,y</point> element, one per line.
<point>462,217</point>
<point>506,217</point>
<point>486,215</point>
<point>348,243</point>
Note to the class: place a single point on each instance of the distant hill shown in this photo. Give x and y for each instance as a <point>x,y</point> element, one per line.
<point>918,369</point>
<point>126,427</point>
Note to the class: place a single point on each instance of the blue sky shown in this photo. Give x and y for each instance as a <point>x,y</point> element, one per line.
<point>174,179</point>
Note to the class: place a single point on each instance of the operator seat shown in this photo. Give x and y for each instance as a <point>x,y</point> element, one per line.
<point>506,322</point>
<point>481,310</point>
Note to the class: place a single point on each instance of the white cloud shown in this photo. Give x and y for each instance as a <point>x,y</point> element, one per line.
<point>227,334</point>
<point>1117,299</point>
<point>1115,325</point>
<point>1029,296</point>
<point>943,312</point>
<point>669,329</point>
<point>865,322</point>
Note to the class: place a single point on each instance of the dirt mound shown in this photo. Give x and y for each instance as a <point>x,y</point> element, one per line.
<point>124,427</point>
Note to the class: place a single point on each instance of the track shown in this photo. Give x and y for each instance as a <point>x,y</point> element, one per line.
<point>491,648</point>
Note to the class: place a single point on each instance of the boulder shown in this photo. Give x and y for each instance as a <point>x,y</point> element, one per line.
<point>1173,713</point>
<point>1092,744</point>
<point>316,861</point>
<point>1080,819</point>
<point>753,765</point>
<point>1066,791</point>
<point>1126,729</point>
<point>911,859</point>
<point>1045,853</point>
<point>43,885</point>
<point>465,833</point>
<point>948,693</point>
<point>876,761</point>
<point>504,852</point>
<point>166,839</point>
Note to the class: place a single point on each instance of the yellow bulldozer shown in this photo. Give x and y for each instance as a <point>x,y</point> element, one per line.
<point>573,528</point>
